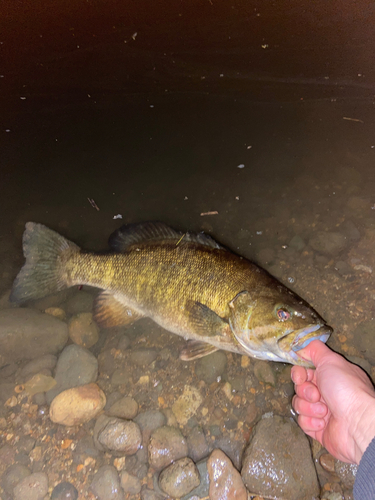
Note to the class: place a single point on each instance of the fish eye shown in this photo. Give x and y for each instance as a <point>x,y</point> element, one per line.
<point>282,314</point>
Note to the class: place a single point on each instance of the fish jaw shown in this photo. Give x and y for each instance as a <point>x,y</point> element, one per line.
<point>291,343</point>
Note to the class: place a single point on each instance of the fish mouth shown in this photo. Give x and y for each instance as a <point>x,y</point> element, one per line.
<point>293,342</point>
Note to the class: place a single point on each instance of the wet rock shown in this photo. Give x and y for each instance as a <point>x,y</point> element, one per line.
<point>7,454</point>
<point>349,229</point>
<point>179,478</point>
<point>64,491</point>
<point>125,407</point>
<point>167,445</point>
<point>271,468</point>
<point>83,330</point>
<point>76,366</point>
<point>297,243</point>
<point>225,480</point>
<point>211,367</point>
<point>266,256</point>
<point>329,243</point>
<point>39,383</point>
<point>25,444</point>
<point>12,476</point>
<point>200,491</point>
<point>47,362</point>
<point>363,363</point>
<point>80,302</point>
<point>147,494</point>
<point>343,268</point>
<point>148,421</point>
<point>346,473</point>
<point>28,334</point>
<point>130,484</point>
<point>56,312</point>
<point>187,404</point>
<point>364,335</point>
<point>197,444</point>
<point>33,487</point>
<point>327,462</point>
<point>117,435</point>
<point>123,343</point>
<point>143,356</point>
<point>77,405</point>
<point>106,484</point>
<point>359,204</point>
<point>120,376</point>
<point>264,372</point>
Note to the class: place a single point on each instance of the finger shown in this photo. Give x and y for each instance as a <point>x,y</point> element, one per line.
<point>315,352</point>
<point>309,392</point>
<point>311,424</point>
<point>298,374</point>
<point>303,407</point>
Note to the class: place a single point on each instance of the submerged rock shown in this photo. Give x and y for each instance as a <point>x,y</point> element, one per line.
<point>28,334</point>
<point>167,444</point>
<point>116,435</point>
<point>211,367</point>
<point>187,404</point>
<point>83,330</point>
<point>179,478</point>
<point>33,487</point>
<point>329,243</point>
<point>272,467</point>
<point>106,484</point>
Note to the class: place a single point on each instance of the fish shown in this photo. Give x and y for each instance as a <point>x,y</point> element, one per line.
<point>187,283</point>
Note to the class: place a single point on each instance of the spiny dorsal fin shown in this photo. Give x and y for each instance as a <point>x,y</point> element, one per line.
<point>130,235</point>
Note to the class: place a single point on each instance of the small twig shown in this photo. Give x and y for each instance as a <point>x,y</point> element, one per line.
<point>93,204</point>
<point>352,119</point>
<point>214,212</point>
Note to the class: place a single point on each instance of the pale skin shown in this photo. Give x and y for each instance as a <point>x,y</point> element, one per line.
<point>335,402</point>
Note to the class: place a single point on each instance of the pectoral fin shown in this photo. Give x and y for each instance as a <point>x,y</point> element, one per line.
<point>196,349</point>
<point>204,321</point>
<point>109,312</point>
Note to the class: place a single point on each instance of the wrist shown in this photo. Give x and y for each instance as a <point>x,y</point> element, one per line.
<point>363,430</point>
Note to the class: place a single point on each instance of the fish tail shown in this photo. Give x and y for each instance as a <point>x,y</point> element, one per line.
<point>43,273</point>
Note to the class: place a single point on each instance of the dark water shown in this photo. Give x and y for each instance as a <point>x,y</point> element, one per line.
<point>169,112</point>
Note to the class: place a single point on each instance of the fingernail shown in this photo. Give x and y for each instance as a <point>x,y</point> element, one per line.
<point>309,392</point>
<point>319,409</point>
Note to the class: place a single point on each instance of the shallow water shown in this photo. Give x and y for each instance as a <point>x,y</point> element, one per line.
<point>281,166</point>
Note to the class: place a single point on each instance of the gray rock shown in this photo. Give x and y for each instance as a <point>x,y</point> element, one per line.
<point>202,490</point>
<point>76,366</point>
<point>364,335</point>
<point>264,372</point>
<point>125,407</point>
<point>349,229</point>
<point>47,362</point>
<point>29,334</point>
<point>329,243</point>
<point>148,421</point>
<point>116,435</point>
<point>12,476</point>
<point>147,494</point>
<point>64,491</point>
<point>80,302</point>
<point>197,444</point>
<point>33,487</point>
<point>130,484</point>
<point>272,469</point>
<point>106,484</point>
<point>167,445</point>
<point>297,243</point>
<point>179,478</point>
<point>211,367</point>
<point>143,356</point>
<point>346,472</point>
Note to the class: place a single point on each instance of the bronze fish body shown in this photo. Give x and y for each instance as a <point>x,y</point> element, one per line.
<point>188,284</point>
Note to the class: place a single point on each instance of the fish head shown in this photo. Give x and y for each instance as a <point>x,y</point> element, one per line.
<point>275,324</point>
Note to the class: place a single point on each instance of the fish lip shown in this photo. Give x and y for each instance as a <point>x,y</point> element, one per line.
<point>302,337</point>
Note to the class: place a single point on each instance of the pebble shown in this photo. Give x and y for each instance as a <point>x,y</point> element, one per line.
<point>64,491</point>
<point>202,490</point>
<point>179,478</point>
<point>327,462</point>
<point>75,366</point>
<point>346,472</point>
<point>125,407</point>
<point>130,484</point>
<point>167,445</point>
<point>225,480</point>
<point>57,312</point>
<point>147,494</point>
<point>83,330</point>
<point>148,421</point>
<point>297,243</point>
<point>77,405</point>
<point>80,302</point>
<point>197,444</point>
<point>12,476</point>
<point>290,472</point>
<point>187,404</point>
<point>211,367</point>
<point>33,487</point>
<point>47,362</point>
<point>106,484</point>
<point>39,383</point>
<point>117,435</point>
<point>143,356</point>
<point>28,334</point>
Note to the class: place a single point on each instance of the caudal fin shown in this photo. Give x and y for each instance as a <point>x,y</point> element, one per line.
<point>43,272</point>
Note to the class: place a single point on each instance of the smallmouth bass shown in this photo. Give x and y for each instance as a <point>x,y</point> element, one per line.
<point>188,284</point>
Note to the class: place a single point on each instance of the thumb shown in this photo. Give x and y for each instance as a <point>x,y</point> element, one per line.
<point>315,352</point>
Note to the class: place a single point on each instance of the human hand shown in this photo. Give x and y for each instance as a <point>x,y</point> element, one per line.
<point>335,402</point>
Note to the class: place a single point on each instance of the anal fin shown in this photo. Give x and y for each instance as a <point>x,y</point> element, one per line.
<point>110,312</point>
<point>196,349</point>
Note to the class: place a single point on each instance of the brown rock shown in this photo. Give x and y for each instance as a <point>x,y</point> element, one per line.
<point>225,480</point>
<point>77,405</point>
<point>179,478</point>
<point>167,444</point>
<point>327,462</point>
<point>83,330</point>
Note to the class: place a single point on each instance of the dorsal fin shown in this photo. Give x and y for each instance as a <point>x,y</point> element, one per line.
<point>129,235</point>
